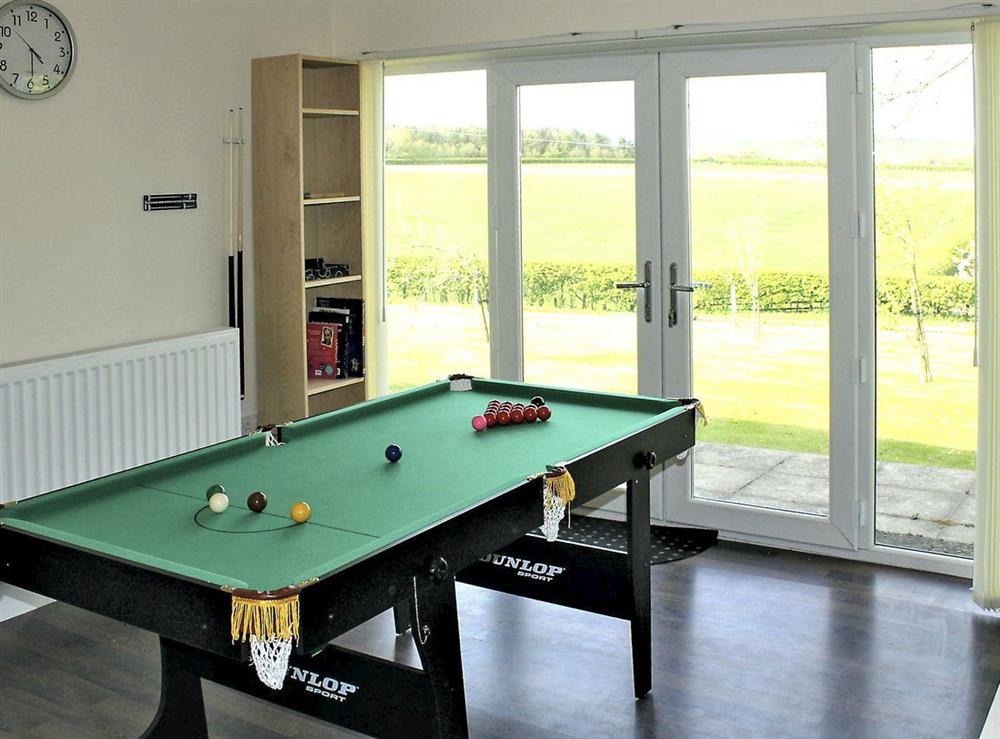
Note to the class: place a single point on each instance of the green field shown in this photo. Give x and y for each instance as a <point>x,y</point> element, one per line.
<point>585,213</point>
<point>768,389</point>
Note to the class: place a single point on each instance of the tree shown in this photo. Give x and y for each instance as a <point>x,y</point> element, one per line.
<point>748,239</point>
<point>894,222</point>
<point>908,90</point>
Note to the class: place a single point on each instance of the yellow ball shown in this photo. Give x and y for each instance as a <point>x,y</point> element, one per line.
<point>300,512</point>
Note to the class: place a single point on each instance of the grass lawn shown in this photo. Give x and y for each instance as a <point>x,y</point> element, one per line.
<point>770,397</point>
<point>585,213</point>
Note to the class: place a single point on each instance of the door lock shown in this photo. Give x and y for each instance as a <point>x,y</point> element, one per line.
<point>647,290</point>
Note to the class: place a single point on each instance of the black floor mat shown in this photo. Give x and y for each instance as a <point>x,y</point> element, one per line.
<point>669,543</point>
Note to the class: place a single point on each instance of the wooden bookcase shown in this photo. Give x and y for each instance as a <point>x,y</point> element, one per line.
<point>306,203</point>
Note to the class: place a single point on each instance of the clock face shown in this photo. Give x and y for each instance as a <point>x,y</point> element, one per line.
<point>37,49</point>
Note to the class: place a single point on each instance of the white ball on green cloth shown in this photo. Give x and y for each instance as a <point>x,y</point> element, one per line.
<point>219,502</point>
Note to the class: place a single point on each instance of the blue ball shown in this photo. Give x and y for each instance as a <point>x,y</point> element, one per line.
<point>393,453</point>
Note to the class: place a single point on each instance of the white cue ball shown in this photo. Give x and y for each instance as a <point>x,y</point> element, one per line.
<point>218,502</point>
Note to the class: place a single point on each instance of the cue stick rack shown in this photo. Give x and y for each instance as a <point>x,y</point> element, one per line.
<point>235,142</point>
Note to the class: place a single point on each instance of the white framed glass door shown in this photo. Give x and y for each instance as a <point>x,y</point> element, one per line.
<point>759,219</point>
<point>575,265</point>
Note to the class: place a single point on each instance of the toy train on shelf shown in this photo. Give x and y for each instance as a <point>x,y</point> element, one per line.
<point>318,269</point>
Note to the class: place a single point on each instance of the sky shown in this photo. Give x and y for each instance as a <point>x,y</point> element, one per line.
<point>725,112</point>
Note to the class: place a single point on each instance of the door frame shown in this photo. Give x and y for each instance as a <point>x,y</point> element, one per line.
<point>847,365</point>
<point>506,315</point>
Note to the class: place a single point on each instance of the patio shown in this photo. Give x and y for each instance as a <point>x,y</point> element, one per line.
<point>917,507</point>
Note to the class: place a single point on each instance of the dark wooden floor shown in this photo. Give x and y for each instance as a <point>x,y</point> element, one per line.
<point>747,643</point>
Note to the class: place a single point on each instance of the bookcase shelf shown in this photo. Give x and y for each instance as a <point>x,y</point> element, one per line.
<point>331,201</point>
<point>317,385</point>
<point>332,281</point>
<point>306,124</point>
<point>324,112</point>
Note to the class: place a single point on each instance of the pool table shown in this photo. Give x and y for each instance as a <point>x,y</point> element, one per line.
<point>142,547</point>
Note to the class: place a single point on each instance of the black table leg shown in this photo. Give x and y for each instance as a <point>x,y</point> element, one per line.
<point>639,556</point>
<point>434,624</point>
<point>181,712</point>
<point>401,616</point>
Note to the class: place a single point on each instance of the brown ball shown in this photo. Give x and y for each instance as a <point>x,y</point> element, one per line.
<point>257,502</point>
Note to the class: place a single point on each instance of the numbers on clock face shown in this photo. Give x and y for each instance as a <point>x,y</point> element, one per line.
<point>36,48</point>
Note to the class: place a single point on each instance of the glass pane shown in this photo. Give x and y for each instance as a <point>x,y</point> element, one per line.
<point>925,260</point>
<point>578,234</point>
<point>758,153</point>
<point>436,226</point>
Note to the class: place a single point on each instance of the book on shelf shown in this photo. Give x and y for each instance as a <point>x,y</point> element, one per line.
<point>346,360</point>
<point>340,319</point>
<point>322,343</point>
<point>353,331</point>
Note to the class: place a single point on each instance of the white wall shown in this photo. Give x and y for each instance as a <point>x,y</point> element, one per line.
<point>81,266</point>
<point>385,25</point>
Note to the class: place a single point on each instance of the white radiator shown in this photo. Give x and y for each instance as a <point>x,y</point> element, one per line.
<point>73,418</point>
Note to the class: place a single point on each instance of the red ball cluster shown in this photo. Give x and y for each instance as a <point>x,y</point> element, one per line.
<point>507,413</point>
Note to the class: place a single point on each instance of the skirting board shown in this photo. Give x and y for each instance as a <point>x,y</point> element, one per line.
<point>15,601</point>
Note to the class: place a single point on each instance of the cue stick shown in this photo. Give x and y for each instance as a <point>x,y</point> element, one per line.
<point>239,250</point>
<point>230,255</point>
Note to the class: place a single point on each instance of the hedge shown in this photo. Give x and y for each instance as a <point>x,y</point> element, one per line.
<point>590,286</point>
<point>730,161</point>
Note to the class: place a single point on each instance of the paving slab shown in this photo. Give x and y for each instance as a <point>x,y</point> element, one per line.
<point>965,513</point>
<point>743,457</point>
<point>807,465</point>
<point>920,477</point>
<point>721,483</point>
<point>786,492</point>
<point>911,502</point>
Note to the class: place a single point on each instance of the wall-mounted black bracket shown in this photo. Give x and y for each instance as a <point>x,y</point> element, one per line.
<point>170,201</point>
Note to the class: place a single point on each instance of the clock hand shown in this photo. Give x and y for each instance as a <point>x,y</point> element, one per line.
<point>30,49</point>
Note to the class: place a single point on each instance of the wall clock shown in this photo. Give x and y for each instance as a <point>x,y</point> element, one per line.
<point>37,49</point>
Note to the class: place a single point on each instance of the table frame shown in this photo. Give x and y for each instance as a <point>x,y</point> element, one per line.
<point>192,617</point>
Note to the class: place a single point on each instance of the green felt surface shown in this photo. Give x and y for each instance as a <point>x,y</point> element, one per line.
<point>360,502</point>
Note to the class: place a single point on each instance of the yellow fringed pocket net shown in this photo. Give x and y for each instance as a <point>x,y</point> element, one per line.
<point>559,492</point>
<point>265,619</point>
<point>270,625</point>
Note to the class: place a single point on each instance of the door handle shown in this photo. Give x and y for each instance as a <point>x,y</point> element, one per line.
<point>673,288</point>
<point>632,285</point>
<point>647,290</point>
